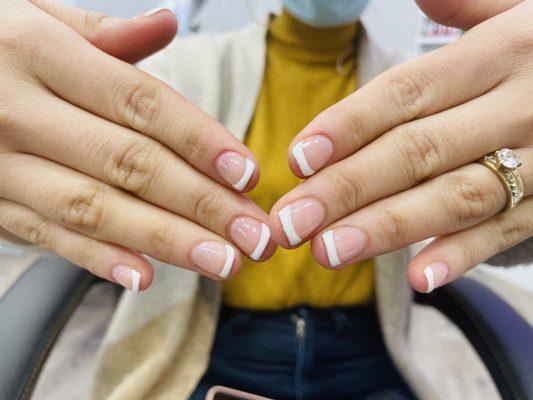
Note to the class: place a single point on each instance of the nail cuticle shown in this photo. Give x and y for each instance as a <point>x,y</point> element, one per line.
<point>250,235</point>
<point>343,245</point>
<point>301,218</point>
<point>235,169</point>
<point>214,257</point>
<point>312,154</point>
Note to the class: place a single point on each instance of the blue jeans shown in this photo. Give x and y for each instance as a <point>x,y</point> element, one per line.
<point>303,354</point>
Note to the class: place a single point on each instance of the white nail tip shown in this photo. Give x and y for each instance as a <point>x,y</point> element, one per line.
<point>428,272</point>
<point>331,250</point>
<point>261,245</point>
<point>286,222</point>
<point>248,171</point>
<point>135,280</point>
<point>230,257</point>
<point>299,156</point>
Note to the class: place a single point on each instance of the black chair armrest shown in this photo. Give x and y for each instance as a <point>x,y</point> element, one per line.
<point>502,337</point>
<point>32,313</point>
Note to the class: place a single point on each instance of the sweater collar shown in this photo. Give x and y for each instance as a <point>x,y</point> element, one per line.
<point>310,43</point>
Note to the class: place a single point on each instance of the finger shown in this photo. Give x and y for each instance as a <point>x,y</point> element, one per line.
<point>449,203</point>
<point>105,260</point>
<point>448,257</point>
<point>413,153</point>
<point>464,14</point>
<point>142,166</point>
<point>422,87</point>
<point>127,96</point>
<point>130,40</point>
<point>94,209</point>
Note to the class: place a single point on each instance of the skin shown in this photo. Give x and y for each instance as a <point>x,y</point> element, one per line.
<point>101,162</point>
<point>403,167</point>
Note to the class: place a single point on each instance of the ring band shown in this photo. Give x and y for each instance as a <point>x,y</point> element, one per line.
<point>504,163</point>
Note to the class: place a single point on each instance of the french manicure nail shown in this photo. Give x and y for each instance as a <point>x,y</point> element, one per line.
<point>313,153</point>
<point>436,275</point>
<point>235,169</point>
<point>213,257</point>
<point>127,277</point>
<point>251,235</point>
<point>301,218</point>
<point>151,12</point>
<point>343,244</point>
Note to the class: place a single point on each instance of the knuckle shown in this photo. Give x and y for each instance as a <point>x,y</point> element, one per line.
<point>421,151</point>
<point>513,229</point>
<point>409,90</point>
<point>471,198</point>
<point>9,117</point>
<point>85,257</point>
<point>196,143</point>
<point>209,205</point>
<point>138,105</point>
<point>347,188</point>
<point>354,118</point>
<point>38,233</point>
<point>162,240</point>
<point>93,21</point>
<point>132,166</point>
<point>36,230</point>
<point>23,43</point>
<point>520,39</point>
<point>83,209</point>
<point>10,38</point>
<point>393,228</point>
<point>468,254</point>
<point>14,34</point>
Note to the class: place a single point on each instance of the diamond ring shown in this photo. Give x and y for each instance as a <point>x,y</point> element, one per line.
<point>504,163</point>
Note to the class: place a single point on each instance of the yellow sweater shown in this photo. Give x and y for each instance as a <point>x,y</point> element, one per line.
<point>301,79</point>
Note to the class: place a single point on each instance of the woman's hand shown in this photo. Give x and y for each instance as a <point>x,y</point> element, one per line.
<point>396,160</point>
<point>101,161</point>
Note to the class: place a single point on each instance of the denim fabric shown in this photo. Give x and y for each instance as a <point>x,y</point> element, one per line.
<point>303,354</point>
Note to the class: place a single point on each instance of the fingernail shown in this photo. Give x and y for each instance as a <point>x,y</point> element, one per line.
<point>301,218</point>
<point>235,169</point>
<point>436,274</point>
<point>150,13</point>
<point>343,244</point>
<point>127,277</point>
<point>251,235</point>
<point>312,154</point>
<point>214,257</point>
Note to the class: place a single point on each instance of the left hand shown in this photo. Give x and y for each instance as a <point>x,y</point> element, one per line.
<point>396,159</point>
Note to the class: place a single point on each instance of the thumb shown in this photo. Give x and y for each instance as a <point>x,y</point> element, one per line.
<point>130,40</point>
<point>464,14</point>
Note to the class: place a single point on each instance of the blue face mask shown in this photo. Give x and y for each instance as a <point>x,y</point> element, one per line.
<point>325,13</point>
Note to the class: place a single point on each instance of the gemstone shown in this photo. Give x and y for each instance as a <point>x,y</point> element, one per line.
<point>508,158</point>
<point>490,159</point>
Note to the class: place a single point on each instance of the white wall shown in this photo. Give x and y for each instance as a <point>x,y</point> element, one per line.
<point>119,8</point>
<point>396,28</point>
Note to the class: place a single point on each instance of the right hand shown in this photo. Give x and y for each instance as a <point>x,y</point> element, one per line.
<point>101,162</point>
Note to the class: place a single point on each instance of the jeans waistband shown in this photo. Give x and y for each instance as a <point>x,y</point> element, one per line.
<point>321,317</point>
